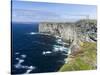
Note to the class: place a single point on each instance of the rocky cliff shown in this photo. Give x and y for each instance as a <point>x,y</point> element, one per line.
<point>67,31</point>
<point>87,30</point>
<point>80,31</point>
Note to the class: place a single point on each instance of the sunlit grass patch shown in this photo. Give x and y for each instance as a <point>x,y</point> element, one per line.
<point>84,59</point>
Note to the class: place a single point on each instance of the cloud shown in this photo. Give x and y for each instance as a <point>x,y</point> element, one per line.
<point>21,15</point>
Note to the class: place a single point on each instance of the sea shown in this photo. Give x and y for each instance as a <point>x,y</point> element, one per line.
<point>35,52</point>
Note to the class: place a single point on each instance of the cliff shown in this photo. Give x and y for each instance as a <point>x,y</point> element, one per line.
<point>82,35</point>
<point>67,31</point>
<point>75,33</point>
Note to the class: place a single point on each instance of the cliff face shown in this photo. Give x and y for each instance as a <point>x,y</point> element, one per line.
<point>87,30</point>
<point>76,33</point>
<point>67,31</point>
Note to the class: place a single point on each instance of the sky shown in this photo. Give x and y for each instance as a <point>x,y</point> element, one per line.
<point>23,11</point>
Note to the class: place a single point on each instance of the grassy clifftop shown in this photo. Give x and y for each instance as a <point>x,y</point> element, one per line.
<point>93,21</point>
<point>83,59</point>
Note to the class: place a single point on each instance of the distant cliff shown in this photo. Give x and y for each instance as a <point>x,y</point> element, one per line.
<point>80,31</point>
<point>85,30</point>
<point>67,31</point>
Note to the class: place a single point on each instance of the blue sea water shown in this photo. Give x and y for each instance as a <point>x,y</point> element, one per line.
<point>33,52</point>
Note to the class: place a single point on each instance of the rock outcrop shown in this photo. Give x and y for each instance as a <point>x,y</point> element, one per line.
<point>87,30</point>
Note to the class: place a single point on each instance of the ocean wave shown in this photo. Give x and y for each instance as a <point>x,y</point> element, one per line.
<point>30,68</point>
<point>59,48</point>
<point>58,37</point>
<point>23,56</point>
<point>46,52</point>
<point>19,65</point>
<point>33,33</point>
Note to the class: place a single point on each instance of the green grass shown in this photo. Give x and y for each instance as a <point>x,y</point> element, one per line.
<point>84,59</point>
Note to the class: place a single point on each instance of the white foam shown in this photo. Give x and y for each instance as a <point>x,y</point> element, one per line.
<point>17,53</point>
<point>21,61</point>
<point>18,65</point>
<point>32,33</point>
<point>46,52</point>
<point>17,58</point>
<point>55,49</point>
<point>59,48</point>
<point>59,41</point>
<point>58,37</point>
<point>30,69</point>
<point>23,56</point>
